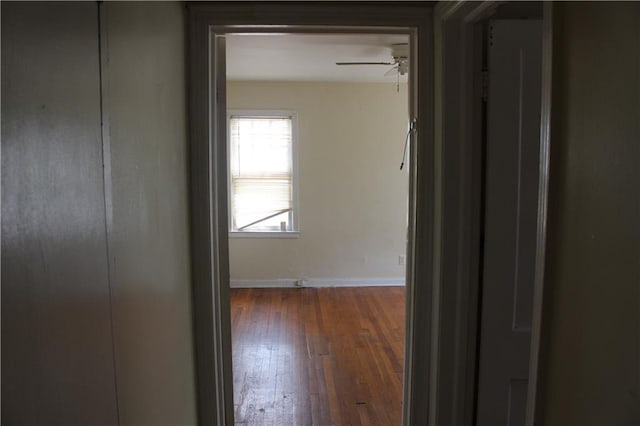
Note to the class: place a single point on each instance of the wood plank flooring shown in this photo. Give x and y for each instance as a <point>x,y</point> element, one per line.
<point>318,356</point>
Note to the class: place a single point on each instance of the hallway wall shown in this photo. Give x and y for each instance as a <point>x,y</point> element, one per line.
<point>96,294</point>
<point>592,314</point>
<point>150,234</point>
<point>57,359</point>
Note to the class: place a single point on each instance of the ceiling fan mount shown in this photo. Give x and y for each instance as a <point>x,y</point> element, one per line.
<point>399,63</point>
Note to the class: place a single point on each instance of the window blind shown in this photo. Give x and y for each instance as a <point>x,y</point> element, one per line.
<point>261,173</point>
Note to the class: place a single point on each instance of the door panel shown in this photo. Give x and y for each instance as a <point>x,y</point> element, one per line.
<point>513,136</point>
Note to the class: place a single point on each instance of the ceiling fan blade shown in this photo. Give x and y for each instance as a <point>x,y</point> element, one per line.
<point>364,63</point>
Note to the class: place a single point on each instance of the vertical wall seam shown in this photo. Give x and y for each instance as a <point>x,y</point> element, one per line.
<point>103,58</point>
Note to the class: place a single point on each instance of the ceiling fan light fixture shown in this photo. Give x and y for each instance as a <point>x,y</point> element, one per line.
<point>400,55</point>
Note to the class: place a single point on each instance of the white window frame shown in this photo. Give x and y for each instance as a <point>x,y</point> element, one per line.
<point>295,223</point>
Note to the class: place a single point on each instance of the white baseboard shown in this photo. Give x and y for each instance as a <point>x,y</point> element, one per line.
<point>284,283</point>
<point>319,282</point>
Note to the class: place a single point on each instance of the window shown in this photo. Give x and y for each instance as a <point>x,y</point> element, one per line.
<point>261,173</point>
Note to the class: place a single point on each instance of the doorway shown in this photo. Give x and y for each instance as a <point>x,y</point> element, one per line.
<point>209,23</point>
<point>317,126</point>
<point>493,247</point>
<point>444,207</point>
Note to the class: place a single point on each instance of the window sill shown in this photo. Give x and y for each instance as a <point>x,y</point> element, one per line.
<point>275,234</point>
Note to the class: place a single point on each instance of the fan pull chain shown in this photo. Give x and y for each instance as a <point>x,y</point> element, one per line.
<point>412,128</point>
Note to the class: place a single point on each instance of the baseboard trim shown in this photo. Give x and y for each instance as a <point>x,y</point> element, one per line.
<point>264,283</point>
<point>319,282</point>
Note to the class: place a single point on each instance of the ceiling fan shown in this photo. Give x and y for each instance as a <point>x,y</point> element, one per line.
<point>400,63</point>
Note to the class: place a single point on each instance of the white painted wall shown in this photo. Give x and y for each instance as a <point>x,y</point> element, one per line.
<point>353,197</point>
<point>150,238</point>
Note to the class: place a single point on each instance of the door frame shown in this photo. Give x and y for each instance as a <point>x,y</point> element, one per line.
<point>442,295</point>
<point>208,170</point>
<point>457,131</point>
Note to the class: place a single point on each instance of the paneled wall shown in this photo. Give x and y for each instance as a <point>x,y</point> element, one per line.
<point>96,312</point>
<point>150,250</point>
<point>57,353</point>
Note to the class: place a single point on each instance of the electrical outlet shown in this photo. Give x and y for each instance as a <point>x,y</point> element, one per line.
<point>401,260</point>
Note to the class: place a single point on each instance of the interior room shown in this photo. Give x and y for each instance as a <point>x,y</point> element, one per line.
<point>111,304</point>
<point>317,245</point>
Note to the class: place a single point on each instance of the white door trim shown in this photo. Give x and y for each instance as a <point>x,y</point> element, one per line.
<point>455,309</point>
<point>210,275</point>
<point>535,372</point>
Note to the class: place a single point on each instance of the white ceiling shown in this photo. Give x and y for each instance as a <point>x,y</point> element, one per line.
<point>310,57</point>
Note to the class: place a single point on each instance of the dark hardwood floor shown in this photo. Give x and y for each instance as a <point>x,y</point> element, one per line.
<point>318,356</point>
